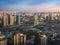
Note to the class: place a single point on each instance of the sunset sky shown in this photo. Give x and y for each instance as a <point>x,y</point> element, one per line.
<point>30,5</point>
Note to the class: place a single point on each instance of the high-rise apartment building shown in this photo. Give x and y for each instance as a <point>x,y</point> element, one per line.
<point>36,21</point>
<point>5,20</point>
<point>19,39</point>
<point>17,19</point>
<point>12,19</point>
<point>3,40</point>
<point>43,40</point>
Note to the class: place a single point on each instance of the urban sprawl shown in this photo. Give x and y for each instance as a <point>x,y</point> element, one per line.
<point>29,28</point>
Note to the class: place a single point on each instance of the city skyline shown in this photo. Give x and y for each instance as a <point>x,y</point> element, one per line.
<point>31,5</point>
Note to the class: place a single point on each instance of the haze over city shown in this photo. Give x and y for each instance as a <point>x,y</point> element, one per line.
<point>31,5</point>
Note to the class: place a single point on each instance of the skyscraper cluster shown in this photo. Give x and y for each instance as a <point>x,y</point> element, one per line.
<point>9,18</point>
<point>12,18</point>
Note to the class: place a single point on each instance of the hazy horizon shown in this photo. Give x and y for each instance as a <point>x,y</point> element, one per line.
<point>30,5</point>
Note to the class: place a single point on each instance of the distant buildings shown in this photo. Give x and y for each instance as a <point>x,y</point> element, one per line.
<point>36,21</point>
<point>5,20</point>
<point>12,18</point>
<point>17,20</point>
<point>9,18</point>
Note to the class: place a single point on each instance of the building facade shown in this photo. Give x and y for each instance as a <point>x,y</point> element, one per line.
<point>19,39</point>
<point>3,40</point>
